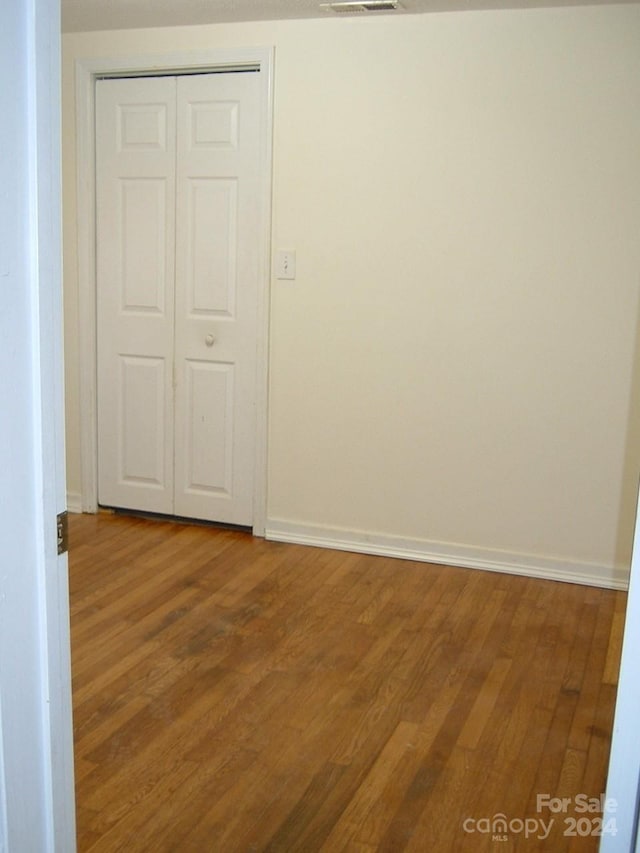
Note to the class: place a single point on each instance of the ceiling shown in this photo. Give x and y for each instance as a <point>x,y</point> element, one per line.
<point>84,15</point>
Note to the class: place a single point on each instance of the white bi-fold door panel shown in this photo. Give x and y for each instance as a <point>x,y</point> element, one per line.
<point>177,236</point>
<point>135,216</point>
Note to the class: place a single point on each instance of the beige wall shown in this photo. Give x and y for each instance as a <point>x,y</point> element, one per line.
<point>453,369</point>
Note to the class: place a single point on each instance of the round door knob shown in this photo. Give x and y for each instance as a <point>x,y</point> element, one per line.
<point>209,340</point>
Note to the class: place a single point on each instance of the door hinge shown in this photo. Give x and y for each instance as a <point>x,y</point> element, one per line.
<point>63,532</point>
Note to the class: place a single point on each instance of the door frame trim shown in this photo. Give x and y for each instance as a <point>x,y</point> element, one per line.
<point>87,71</point>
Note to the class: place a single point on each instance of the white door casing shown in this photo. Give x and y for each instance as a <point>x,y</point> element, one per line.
<point>178,226</point>
<point>87,72</point>
<point>36,734</point>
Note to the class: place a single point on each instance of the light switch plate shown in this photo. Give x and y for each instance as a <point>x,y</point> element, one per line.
<point>286,263</point>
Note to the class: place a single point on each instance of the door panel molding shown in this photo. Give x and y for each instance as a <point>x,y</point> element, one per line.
<point>87,71</point>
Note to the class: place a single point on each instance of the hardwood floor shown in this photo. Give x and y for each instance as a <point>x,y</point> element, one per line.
<point>232,694</point>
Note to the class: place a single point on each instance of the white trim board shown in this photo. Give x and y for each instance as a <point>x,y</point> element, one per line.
<point>87,71</point>
<point>448,554</point>
<point>74,502</point>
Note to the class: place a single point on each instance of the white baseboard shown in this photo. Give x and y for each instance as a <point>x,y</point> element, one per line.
<point>443,553</point>
<point>74,502</point>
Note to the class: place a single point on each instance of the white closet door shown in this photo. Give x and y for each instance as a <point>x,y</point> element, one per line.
<point>217,242</point>
<point>178,217</point>
<point>135,198</point>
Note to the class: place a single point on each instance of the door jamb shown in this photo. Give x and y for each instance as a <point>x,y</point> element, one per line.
<point>87,71</point>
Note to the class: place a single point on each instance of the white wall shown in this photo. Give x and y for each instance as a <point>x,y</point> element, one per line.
<point>452,371</point>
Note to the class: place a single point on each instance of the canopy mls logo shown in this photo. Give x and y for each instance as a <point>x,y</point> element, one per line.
<point>499,827</point>
<point>584,821</point>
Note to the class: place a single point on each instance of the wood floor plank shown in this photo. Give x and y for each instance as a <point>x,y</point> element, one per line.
<point>233,694</point>
<point>614,646</point>
<point>369,795</point>
<point>484,704</point>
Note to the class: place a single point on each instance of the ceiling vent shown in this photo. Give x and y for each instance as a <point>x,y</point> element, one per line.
<point>361,6</point>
